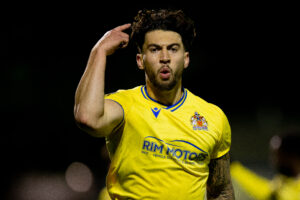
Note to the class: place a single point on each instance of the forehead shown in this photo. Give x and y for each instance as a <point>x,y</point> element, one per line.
<point>162,37</point>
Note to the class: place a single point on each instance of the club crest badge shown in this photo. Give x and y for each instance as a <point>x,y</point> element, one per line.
<point>199,122</point>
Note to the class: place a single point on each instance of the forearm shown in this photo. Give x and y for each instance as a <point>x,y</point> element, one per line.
<point>225,193</point>
<point>219,185</point>
<point>90,106</point>
<point>89,96</point>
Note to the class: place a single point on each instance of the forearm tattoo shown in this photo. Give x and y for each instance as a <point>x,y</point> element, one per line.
<point>219,184</point>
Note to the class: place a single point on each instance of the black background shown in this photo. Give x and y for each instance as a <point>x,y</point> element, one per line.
<point>244,60</point>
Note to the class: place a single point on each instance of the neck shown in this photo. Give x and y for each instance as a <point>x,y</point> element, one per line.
<point>165,97</point>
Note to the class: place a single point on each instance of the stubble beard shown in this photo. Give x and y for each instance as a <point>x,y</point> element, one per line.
<point>164,85</point>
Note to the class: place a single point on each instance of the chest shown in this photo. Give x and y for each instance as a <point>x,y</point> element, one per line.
<point>186,133</point>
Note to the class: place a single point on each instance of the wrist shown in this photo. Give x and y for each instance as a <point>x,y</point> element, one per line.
<point>99,51</point>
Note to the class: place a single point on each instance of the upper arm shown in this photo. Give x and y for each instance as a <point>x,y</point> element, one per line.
<point>104,125</point>
<point>219,184</point>
<point>113,116</point>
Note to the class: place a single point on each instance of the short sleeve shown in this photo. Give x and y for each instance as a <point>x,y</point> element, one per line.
<point>122,97</point>
<point>224,141</point>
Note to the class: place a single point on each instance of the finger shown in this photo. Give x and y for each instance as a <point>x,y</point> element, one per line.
<point>122,27</point>
<point>123,44</point>
<point>124,39</point>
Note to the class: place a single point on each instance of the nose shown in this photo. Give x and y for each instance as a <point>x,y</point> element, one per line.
<point>164,56</point>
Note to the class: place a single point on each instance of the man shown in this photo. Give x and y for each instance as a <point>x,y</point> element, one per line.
<point>164,142</point>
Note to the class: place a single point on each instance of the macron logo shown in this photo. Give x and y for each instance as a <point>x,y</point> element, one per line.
<point>155,111</point>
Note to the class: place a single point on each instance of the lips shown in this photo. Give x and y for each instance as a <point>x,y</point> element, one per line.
<point>165,72</point>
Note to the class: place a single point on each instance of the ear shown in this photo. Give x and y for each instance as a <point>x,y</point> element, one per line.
<point>140,61</point>
<point>186,59</point>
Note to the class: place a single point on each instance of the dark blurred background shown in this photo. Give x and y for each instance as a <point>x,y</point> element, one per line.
<point>244,60</point>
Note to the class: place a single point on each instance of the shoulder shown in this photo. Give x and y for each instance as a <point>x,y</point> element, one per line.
<point>124,97</point>
<point>212,112</point>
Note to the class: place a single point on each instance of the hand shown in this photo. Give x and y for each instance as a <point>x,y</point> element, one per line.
<point>113,40</point>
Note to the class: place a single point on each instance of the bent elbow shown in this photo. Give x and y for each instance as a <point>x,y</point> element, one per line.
<point>81,119</point>
<point>79,116</point>
<point>87,122</point>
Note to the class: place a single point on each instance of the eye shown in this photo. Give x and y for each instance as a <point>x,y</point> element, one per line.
<point>153,49</point>
<point>174,49</point>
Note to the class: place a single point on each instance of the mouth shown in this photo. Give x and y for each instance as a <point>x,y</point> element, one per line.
<point>165,72</point>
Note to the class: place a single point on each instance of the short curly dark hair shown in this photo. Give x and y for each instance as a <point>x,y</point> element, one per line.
<point>163,19</point>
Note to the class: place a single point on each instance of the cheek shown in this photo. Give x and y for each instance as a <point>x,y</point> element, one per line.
<point>150,61</point>
<point>150,58</point>
<point>179,61</point>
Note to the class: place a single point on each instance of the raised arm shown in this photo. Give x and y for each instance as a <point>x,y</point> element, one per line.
<point>92,113</point>
<point>219,185</point>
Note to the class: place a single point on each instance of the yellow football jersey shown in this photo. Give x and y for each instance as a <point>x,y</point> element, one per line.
<point>163,152</point>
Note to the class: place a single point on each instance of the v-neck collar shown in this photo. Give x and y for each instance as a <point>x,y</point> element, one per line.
<point>173,107</point>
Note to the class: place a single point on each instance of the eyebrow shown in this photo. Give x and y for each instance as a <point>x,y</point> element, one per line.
<point>159,46</point>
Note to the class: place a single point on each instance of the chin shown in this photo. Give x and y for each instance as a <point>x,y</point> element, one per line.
<point>166,85</point>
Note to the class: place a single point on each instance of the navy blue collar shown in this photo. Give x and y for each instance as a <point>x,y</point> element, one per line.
<point>171,107</point>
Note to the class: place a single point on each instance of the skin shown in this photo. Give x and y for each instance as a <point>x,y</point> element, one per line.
<point>163,58</point>
<point>163,50</point>
<point>219,185</point>
<point>92,113</point>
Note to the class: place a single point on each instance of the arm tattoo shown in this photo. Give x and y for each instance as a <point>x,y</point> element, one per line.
<point>219,184</point>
